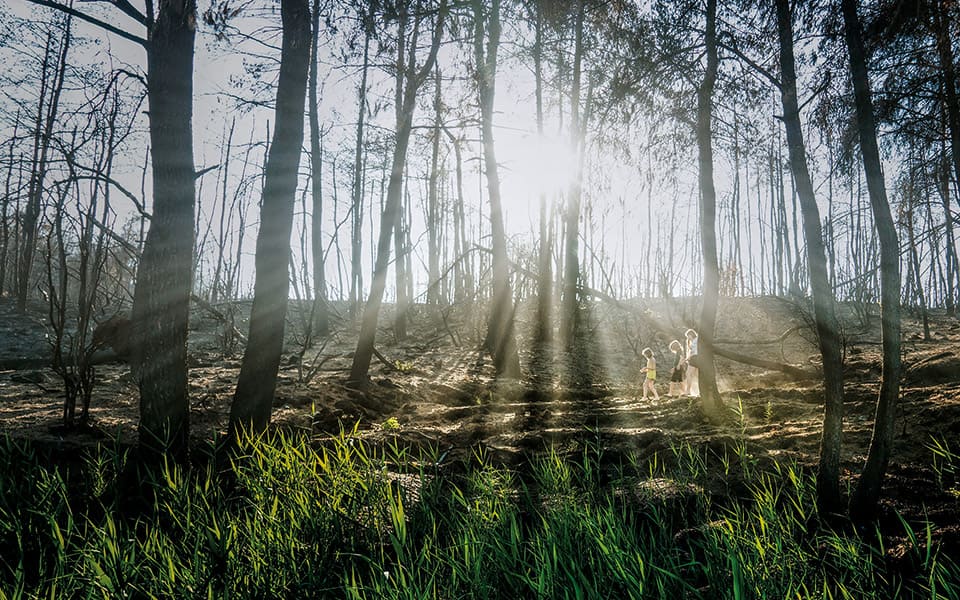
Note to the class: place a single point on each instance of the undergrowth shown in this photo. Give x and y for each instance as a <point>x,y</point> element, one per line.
<point>299,519</point>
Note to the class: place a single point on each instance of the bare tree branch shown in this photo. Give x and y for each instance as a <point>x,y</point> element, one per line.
<point>92,20</point>
<point>127,9</point>
<point>100,177</point>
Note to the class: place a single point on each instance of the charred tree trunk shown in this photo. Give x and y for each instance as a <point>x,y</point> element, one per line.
<point>253,400</point>
<point>356,221</point>
<point>320,323</point>
<point>951,106</point>
<point>544,331</point>
<point>500,340</point>
<point>409,83</point>
<point>461,268</point>
<point>571,276</point>
<point>238,207</point>
<point>913,245</point>
<point>949,81</point>
<point>950,258</point>
<point>400,270</point>
<point>708,216</point>
<point>867,493</point>
<point>824,303</point>
<point>5,216</point>
<point>434,220</point>
<point>161,300</point>
<point>217,291</point>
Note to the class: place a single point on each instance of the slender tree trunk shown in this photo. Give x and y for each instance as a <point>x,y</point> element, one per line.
<point>762,243</point>
<point>824,303</point>
<point>776,260</point>
<point>320,311</point>
<point>47,116</point>
<point>785,264</point>
<point>913,245</point>
<point>949,80</point>
<point>4,216</point>
<point>446,232</point>
<point>399,320</point>
<point>648,252</point>
<point>915,266</point>
<point>356,221</point>
<point>938,279</point>
<point>408,255</point>
<point>953,265</point>
<point>401,305</point>
<point>161,299</point>
<point>253,400</point>
<point>750,288</point>
<point>501,341</point>
<point>216,286</point>
<point>867,493</point>
<point>434,220</point>
<point>951,110</point>
<point>571,279</point>
<point>239,206</point>
<point>545,271</point>
<point>708,216</point>
<point>732,267</point>
<point>336,243</point>
<point>461,268</point>
<point>391,211</point>
<point>829,223</point>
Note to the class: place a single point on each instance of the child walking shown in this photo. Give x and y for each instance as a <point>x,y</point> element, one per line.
<point>678,372</point>
<point>650,381</point>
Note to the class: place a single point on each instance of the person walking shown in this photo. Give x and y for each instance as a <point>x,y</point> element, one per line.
<point>650,372</point>
<point>678,372</point>
<point>692,380</point>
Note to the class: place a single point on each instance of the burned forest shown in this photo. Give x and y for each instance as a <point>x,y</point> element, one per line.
<point>480,299</point>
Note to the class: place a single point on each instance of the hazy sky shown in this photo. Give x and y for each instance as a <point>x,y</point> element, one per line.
<point>529,164</point>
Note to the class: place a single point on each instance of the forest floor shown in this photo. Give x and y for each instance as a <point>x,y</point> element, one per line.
<point>435,389</point>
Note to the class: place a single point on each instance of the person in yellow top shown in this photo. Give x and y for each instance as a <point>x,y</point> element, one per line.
<point>650,380</point>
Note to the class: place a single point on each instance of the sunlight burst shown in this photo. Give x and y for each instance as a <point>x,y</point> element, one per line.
<point>547,164</point>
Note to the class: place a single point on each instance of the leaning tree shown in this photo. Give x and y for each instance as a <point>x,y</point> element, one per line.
<point>253,400</point>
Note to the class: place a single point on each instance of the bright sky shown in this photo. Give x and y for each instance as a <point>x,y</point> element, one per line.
<point>529,164</point>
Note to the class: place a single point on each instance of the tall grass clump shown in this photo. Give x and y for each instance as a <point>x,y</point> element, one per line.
<point>291,517</point>
<point>946,465</point>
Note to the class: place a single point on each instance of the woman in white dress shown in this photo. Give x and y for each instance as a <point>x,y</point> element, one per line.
<point>691,386</point>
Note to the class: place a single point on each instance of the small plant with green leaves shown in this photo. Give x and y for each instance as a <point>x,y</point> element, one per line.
<point>403,367</point>
<point>946,464</point>
<point>740,415</point>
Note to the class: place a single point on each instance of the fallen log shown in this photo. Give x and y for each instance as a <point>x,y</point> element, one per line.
<point>790,370</point>
<point>218,316</point>
<point>770,365</point>
<point>794,372</point>
<point>389,365</point>
<point>779,340</point>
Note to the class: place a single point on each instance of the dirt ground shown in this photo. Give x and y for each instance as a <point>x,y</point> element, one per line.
<point>436,389</point>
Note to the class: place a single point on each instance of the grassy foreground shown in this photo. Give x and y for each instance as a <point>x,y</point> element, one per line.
<point>339,519</point>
